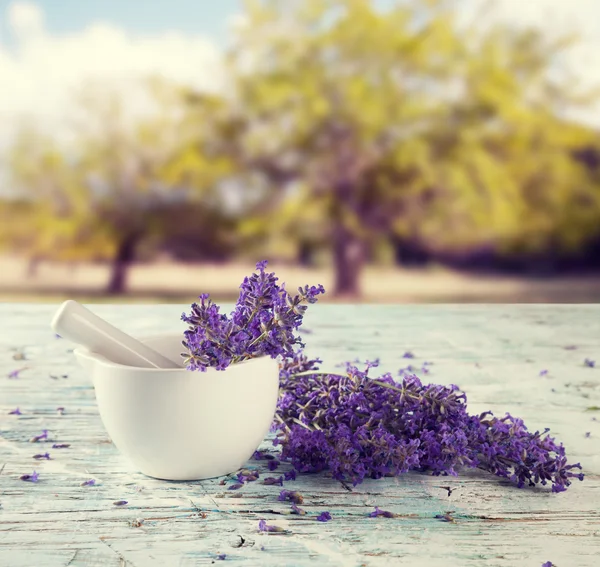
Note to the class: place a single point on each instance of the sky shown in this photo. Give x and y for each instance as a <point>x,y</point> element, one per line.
<point>50,47</point>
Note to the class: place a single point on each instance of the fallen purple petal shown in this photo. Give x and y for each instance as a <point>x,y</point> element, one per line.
<point>15,373</point>
<point>33,477</point>
<point>324,517</point>
<point>588,433</point>
<point>543,373</point>
<point>16,411</point>
<point>120,503</point>
<point>90,482</point>
<point>273,465</point>
<point>290,475</point>
<point>264,527</point>
<point>291,496</point>
<point>378,512</point>
<point>61,445</point>
<point>589,363</point>
<point>42,435</point>
<point>236,486</point>
<point>40,456</point>
<point>408,354</point>
<point>297,511</point>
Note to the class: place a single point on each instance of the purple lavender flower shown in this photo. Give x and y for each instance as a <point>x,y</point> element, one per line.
<point>324,517</point>
<point>290,475</point>
<point>41,456</point>
<point>548,564</point>
<point>263,323</point>
<point>33,477</point>
<point>589,363</point>
<point>16,411</point>
<point>358,427</point>
<point>38,438</point>
<point>377,512</point>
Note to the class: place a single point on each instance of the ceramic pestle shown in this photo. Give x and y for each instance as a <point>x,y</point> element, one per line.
<point>78,324</point>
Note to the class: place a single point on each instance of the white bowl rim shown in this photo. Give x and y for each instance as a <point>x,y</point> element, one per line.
<point>103,361</point>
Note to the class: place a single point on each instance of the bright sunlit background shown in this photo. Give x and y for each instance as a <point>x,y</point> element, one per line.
<point>395,151</point>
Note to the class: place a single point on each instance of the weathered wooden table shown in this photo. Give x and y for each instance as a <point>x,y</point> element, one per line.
<point>494,353</point>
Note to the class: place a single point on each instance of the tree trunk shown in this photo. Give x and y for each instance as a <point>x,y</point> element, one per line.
<point>120,265</point>
<point>348,262</point>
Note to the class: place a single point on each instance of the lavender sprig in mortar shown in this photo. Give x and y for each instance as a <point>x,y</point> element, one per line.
<point>358,427</point>
<point>264,322</point>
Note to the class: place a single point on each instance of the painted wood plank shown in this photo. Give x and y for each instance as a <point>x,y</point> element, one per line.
<point>494,353</point>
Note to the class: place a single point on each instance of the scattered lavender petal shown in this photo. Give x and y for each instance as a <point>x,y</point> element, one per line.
<point>120,503</point>
<point>292,496</point>
<point>408,354</point>
<point>589,363</point>
<point>33,477</point>
<point>236,486</point>
<point>61,445</point>
<point>273,465</point>
<point>41,456</point>
<point>543,373</point>
<point>290,475</point>
<point>16,411</point>
<point>324,517</point>
<point>90,482</point>
<point>378,512</point>
<point>298,511</point>
<point>264,527</point>
<point>42,435</point>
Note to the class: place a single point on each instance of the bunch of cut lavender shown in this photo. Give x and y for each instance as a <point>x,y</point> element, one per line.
<point>358,427</point>
<point>263,322</point>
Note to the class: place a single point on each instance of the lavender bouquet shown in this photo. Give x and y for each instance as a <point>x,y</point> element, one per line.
<point>355,426</point>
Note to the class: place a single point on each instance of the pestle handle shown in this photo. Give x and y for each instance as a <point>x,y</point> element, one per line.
<point>78,324</point>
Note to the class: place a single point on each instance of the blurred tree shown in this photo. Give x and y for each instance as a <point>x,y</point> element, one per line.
<point>115,186</point>
<point>358,121</point>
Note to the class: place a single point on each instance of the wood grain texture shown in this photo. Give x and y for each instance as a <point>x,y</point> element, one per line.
<point>494,353</point>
